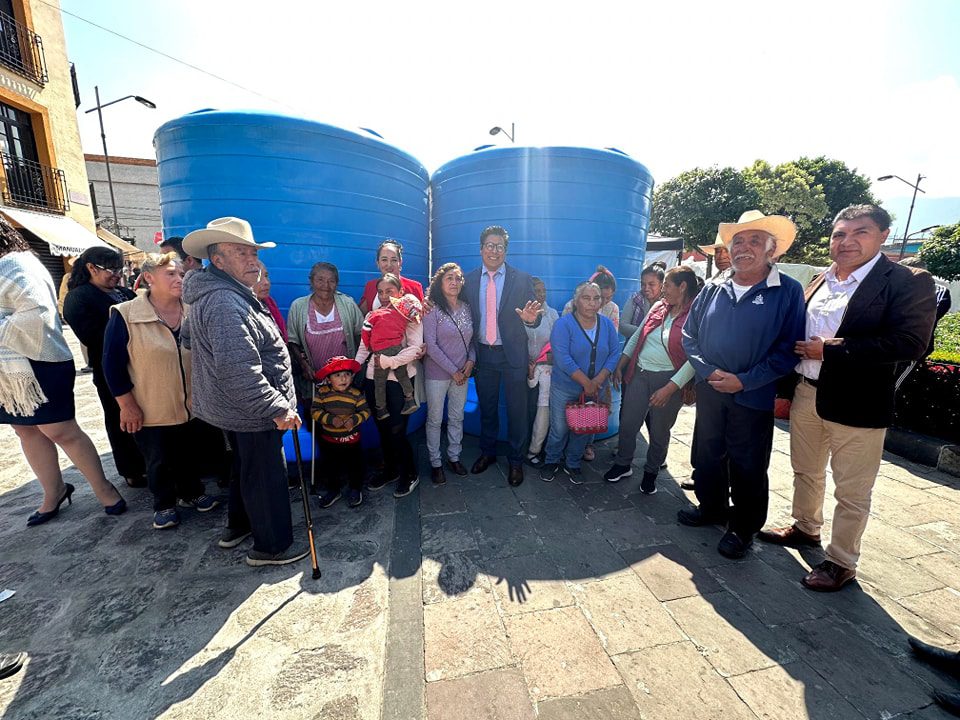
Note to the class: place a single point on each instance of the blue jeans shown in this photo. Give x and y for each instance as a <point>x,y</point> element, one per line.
<point>456,397</point>
<point>561,443</point>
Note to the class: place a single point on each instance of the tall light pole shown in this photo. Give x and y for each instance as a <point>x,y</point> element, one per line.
<point>497,130</point>
<point>103,136</point>
<point>916,188</point>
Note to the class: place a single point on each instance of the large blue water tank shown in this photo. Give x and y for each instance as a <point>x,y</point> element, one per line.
<point>566,209</point>
<point>320,192</point>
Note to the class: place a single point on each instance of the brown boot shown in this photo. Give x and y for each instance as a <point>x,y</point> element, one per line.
<point>789,537</point>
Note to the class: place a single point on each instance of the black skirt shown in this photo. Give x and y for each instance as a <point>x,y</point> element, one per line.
<point>56,380</point>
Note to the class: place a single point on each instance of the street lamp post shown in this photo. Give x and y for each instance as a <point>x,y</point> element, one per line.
<point>916,188</point>
<point>512,134</point>
<point>103,136</point>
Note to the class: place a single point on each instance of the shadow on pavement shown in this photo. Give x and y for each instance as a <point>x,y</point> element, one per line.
<point>691,633</point>
<point>124,621</point>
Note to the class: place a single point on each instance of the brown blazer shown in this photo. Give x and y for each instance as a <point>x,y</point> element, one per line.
<point>889,320</point>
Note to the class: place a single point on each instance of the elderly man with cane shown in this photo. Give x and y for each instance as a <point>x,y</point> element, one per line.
<point>242,383</point>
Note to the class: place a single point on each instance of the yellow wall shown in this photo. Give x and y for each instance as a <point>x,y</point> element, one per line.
<point>52,106</point>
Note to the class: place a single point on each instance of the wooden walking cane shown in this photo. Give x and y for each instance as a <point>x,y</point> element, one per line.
<point>305,495</point>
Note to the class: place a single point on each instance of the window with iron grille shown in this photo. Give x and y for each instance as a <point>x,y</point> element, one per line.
<point>21,49</point>
<point>27,182</point>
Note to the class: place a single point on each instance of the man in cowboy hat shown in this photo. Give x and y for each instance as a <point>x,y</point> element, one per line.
<point>242,383</point>
<point>739,337</point>
<point>864,315</point>
<point>721,258</point>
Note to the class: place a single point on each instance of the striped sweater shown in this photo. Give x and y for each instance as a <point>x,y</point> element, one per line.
<point>329,404</point>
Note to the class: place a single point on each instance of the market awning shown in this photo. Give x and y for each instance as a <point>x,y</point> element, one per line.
<point>65,236</point>
<point>130,252</point>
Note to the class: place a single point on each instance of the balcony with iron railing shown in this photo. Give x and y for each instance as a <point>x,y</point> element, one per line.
<point>28,184</point>
<point>21,50</point>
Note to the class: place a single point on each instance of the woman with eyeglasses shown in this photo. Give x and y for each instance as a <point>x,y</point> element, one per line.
<point>94,287</point>
<point>389,260</point>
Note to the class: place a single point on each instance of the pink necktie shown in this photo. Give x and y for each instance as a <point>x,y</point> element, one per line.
<point>490,331</point>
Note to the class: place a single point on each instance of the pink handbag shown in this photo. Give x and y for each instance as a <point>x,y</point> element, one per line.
<point>587,417</point>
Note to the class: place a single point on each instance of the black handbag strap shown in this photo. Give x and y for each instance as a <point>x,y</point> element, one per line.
<point>593,344</point>
<point>462,338</point>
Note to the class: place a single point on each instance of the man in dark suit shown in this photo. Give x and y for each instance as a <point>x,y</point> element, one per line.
<point>864,315</point>
<point>501,302</point>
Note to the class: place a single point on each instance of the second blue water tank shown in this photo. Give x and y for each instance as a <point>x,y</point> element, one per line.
<point>566,209</point>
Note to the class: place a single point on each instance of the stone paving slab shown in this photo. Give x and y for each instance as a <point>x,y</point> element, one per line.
<point>463,636</point>
<point>493,695</point>
<point>728,635</point>
<point>674,682</point>
<point>559,653</point>
<point>792,691</point>
<point>625,614</point>
<point>610,704</point>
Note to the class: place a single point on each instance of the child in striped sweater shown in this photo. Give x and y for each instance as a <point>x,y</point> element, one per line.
<point>338,410</point>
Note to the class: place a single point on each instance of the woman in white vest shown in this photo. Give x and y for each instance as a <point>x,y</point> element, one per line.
<point>148,372</point>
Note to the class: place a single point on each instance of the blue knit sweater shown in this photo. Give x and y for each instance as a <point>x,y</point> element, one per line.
<point>571,350</point>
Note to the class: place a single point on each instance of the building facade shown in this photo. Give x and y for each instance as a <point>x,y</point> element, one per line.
<point>43,178</point>
<point>137,192</point>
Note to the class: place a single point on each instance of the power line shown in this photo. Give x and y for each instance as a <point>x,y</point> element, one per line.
<point>167,55</point>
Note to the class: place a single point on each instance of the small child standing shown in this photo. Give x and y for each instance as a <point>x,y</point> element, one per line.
<point>338,410</point>
<point>539,375</point>
<point>383,333</point>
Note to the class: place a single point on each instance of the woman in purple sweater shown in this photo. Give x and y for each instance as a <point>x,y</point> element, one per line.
<point>448,334</point>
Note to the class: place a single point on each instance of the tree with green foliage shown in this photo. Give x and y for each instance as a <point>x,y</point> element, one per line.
<point>693,204</point>
<point>941,253</point>
<point>841,186</point>
<point>790,190</point>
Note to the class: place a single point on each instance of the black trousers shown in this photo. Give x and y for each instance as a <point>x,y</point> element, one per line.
<point>259,499</point>
<point>126,454</point>
<point>730,456</point>
<point>171,469</point>
<point>398,457</point>
<point>492,369</point>
<point>341,459</point>
<point>209,449</point>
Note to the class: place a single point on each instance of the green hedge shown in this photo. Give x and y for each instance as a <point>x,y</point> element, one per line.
<point>946,338</point>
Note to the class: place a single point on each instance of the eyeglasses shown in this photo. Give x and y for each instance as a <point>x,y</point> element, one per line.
<point>494,247</point>
<point>111,270</point>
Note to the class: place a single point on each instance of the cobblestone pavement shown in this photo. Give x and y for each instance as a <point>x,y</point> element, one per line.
<point>548,600</point>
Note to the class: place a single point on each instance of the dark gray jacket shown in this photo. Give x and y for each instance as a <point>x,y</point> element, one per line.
<point>241,368</point>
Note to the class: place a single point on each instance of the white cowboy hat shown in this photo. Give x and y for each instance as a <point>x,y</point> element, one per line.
<point>782,229</point>
<point>222,230</point>
<point>711,249</point>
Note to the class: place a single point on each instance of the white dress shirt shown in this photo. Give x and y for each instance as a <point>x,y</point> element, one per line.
<point>827,307</point>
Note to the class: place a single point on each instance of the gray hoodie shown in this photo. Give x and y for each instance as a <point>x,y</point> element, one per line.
<point>241,368</point>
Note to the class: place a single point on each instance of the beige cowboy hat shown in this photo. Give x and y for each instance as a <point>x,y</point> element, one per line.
<point>782,229</point>
<point>222,230</point>
<point>711,249</point>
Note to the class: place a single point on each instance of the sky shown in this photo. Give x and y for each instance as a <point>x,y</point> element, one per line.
<point>676,84</point>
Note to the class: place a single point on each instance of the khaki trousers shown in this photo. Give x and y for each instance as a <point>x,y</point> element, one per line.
<point>854,455</point>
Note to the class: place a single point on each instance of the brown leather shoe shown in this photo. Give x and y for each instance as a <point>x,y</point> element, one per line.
<point>790,536</point>
<point>516,475</point>
<point>828,577</point>
<point>482,463</point>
